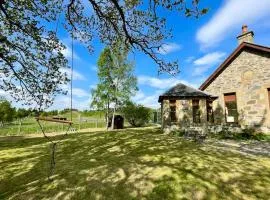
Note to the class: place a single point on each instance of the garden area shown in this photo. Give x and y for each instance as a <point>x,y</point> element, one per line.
<point>136,163</point>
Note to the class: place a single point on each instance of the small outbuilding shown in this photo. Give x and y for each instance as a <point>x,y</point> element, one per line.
<point>118,122</point>
<point>183,106</point>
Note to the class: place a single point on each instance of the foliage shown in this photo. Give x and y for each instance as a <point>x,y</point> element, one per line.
<point>7,112</point>
<point>22,113</point>
<point>247,133</point>
<point>138,23</point>
<point>136,115</point>
<point>116,80</point>
<point>30,55</point>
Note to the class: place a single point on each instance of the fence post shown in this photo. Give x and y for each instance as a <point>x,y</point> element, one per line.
<point>20,124</point>
<point>96,123</point>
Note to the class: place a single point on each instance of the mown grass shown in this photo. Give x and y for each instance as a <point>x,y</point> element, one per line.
<point>129,164</point>
<point>30,126</point>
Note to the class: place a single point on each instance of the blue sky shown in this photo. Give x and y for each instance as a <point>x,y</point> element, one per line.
<point>199,45</point>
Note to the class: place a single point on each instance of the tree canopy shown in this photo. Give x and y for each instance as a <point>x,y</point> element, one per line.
<point>30,51</point>
<point>30,54</point>
<point>116,79</point>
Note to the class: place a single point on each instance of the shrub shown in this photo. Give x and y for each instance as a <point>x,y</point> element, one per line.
<point>136,115</point>
<point>248,133</point>
<point>7,112</point>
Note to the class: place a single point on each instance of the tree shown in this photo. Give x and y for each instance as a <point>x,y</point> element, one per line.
<point>30,55</point>
<point>136,115</point>
<point>102,94</point>
<point>22,113</point>
<point>116,80</point>
<point>28,67</point>
<point>7,112</point>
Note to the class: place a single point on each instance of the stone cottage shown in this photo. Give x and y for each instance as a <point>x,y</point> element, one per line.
<point>183,106</point>
<point>239,91</point>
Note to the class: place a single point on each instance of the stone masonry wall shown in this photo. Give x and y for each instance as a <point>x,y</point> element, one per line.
<point>249,77</point>
<point>184,113</point>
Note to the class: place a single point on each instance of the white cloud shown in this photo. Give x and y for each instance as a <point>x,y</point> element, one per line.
<point>230,17</point>
<point>198,71</point>
<point>189,59</point>
<point>139,95</point>
<point>206,62</point>
<point>169,48</point>
<point>161,83</point>
<point>148,101</point>
<point>78,92</point>
<point>67,52</point>
<point>62,102</point>
<point>76,74</point>
<point>210,59</point>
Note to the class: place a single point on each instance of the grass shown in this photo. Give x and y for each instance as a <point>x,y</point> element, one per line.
<point>129,164</point>
<point>30,126</point>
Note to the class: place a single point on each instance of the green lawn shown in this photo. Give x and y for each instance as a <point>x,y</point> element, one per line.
<point>30,126</point>
<point>130,164</point>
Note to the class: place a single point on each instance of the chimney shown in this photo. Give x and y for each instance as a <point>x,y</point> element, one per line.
<point>246,36</point>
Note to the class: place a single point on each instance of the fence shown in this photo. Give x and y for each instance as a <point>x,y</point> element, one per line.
<point>29,125</point>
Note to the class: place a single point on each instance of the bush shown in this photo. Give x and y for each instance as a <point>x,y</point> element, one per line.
<point>7,112</point>
<point>136,115</point>
<point>248,133</point>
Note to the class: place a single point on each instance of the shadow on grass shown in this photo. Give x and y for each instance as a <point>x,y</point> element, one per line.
<point>130,164</point>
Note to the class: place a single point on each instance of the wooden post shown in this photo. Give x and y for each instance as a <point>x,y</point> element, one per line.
<point>96,123</point>
<point>20,124</point>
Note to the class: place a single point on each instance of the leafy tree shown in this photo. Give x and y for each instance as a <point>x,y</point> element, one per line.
<point>7,112</point>
<point>116,80</point>
<point>29,69</point>
<point>136,115</point>
<point>22,113</point>
<point>30,55</point>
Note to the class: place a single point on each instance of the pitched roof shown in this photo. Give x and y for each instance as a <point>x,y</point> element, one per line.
<point>183,91</point>
<point>234,54</point>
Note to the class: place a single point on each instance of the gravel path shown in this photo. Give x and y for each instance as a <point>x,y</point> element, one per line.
<point>246,147</point>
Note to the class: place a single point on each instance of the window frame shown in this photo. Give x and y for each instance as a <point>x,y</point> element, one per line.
<point>196,117</point>
<point>236,121</point>
<point>209,107</point>
<point>268,92</point>
<point>173,116</point>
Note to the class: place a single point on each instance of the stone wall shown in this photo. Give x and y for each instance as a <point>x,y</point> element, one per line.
<point>249,77</point>
<point>184,114</point>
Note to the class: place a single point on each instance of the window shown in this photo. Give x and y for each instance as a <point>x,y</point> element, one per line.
<point>269,96</point>
<point>196,111</point>
<point>231,114</point>
<point>210,113</point>
<point>173,110</point>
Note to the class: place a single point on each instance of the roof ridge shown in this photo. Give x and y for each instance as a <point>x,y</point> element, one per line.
<point>225,63</point>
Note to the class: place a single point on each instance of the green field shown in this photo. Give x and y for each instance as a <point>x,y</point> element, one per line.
<point>30,126</point>
<point>129,164</point>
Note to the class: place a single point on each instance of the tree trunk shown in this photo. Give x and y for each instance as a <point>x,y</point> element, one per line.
<point>114,109</point>
<point>107,116</point>
<point>112,125</point>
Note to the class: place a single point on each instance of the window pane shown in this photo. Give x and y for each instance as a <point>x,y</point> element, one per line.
<point>231,108</point>
<point>196,111</point>
<point>269,96</point>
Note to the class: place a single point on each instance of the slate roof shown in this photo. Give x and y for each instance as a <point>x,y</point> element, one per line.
<point>183,91</point>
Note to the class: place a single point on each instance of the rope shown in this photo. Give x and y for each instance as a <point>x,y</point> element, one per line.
<point>54,143</point>
<point>53,148</point>
<point>71,74</point>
